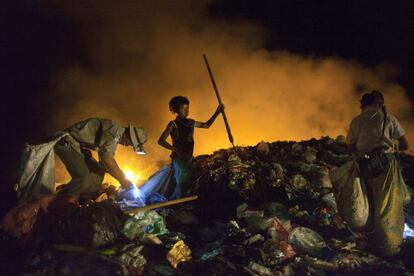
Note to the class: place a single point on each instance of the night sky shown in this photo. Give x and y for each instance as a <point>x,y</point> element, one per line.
<point>34,42</point>
<point>372,32</point>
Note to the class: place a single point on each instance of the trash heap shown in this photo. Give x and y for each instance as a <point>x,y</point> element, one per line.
<point>287,172</point>
<point>268,209</point>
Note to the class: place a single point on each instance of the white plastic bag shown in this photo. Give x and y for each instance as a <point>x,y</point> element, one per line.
<point>37,170</point>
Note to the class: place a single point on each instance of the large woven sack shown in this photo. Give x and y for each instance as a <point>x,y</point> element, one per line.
<point>350,194</point>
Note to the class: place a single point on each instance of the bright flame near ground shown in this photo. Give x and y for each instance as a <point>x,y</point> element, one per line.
<point>132,176</point>
<point>135,171</point>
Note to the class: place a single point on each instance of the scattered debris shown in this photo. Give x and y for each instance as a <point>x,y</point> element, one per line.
<point>179,253</point>
<point>264,210</point>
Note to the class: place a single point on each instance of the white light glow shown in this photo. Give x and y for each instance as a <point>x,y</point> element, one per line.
<point>408,232</point>
<point>132,176</point>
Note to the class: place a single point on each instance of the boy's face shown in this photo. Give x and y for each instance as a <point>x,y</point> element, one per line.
<point>183,111</point>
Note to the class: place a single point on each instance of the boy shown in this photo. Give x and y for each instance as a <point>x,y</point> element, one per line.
<point>182,136</point>
<point>371,134</point>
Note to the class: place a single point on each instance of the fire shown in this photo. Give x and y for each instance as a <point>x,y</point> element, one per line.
<point>135,176</point>
<point>132,176</point>
<point>135,169</point>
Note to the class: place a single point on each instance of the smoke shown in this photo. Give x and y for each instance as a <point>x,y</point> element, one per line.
<point>139,54</point>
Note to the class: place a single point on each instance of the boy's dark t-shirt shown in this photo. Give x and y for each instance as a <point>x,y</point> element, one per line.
<point>183,137</point>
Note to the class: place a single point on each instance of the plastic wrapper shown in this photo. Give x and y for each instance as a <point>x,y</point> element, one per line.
<point>130,198</point>
<point>179,253</point>
<point>142,223</point>
<point>130,255</point>
<point>305,240</point>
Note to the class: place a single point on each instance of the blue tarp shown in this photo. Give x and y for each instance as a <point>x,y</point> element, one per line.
<point>154,190</point>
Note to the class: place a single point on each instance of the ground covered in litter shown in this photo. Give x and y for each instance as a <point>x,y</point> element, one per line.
<point>268,209</point>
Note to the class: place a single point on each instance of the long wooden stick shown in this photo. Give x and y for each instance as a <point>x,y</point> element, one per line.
<point>219,100</point>
<point>161,204</point>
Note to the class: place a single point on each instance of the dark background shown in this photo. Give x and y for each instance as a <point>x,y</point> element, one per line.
<point>34,43</point>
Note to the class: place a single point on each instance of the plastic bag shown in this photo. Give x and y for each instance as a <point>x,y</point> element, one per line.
<point>154,198</point>
<point>132,193</point>
<point>305,240</point>
<point>161,182</point>
<point>37,170</point>
<point>179,253</point>
<point>22,219</point>
<point>130,198</point>
<point>142,223</point>
<point>131,255</point>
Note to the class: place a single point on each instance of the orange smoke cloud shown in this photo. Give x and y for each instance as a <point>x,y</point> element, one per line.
<point>141,54</point>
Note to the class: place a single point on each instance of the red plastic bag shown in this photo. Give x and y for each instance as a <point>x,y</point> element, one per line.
<point>20,221</point>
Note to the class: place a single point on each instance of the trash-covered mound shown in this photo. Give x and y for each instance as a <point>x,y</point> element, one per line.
<point>262,210</point>
<point>294,173</point>
<point>281,171</point>
<point>281,198</point>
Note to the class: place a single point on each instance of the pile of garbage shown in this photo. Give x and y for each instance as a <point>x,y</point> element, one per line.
<point>268,209</point>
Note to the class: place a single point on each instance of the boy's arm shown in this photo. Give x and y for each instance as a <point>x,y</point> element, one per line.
<point>207,124</point>
<point>162,141</point>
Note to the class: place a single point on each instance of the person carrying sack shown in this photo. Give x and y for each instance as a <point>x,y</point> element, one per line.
<point>370,136</point>
<point>73,146</point>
